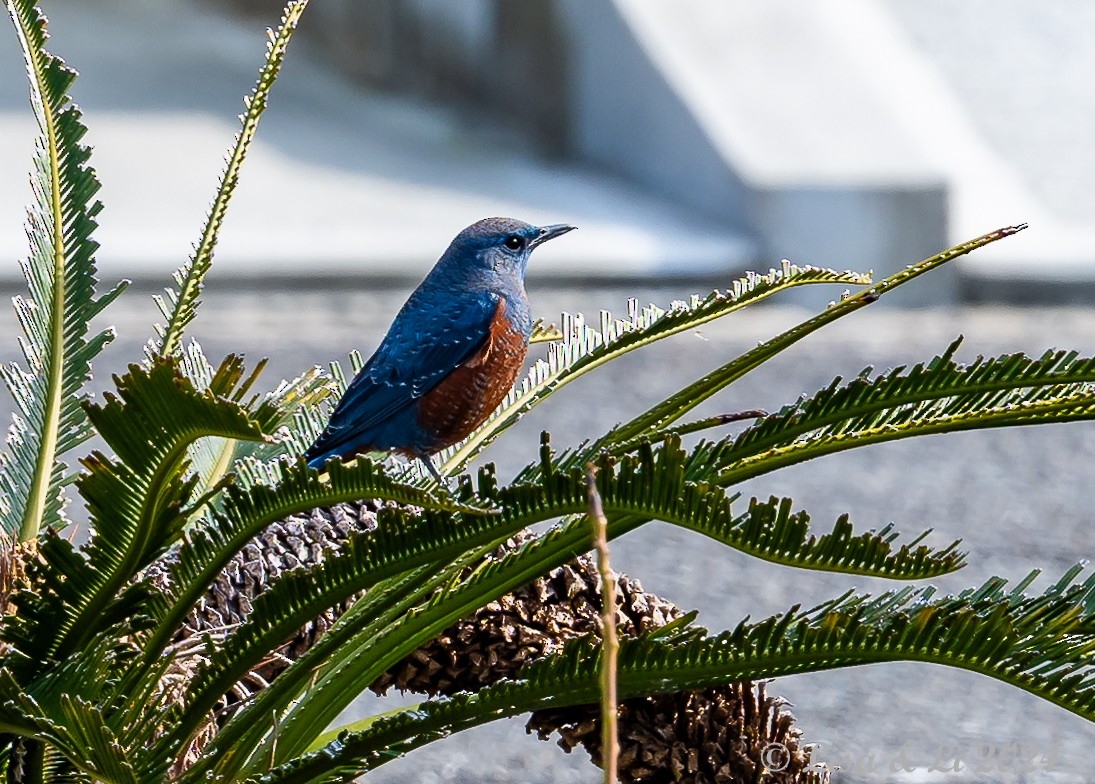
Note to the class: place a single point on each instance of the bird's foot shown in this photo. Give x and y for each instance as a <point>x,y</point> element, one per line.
<point>442,481</point>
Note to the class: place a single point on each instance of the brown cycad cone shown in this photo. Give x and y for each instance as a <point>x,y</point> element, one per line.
<point>13,573</point>
<point>735,733</point>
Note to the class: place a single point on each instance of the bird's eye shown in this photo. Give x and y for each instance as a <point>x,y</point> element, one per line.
<point>514,242</point>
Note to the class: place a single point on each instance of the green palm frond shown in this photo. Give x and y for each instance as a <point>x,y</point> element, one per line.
<point>212,459</point>
<point>668,411</point>
<point>209,458</point>
<point>771,531</point>
<point>937,396</point>
<point>942,396</point>
<point>60,273</point>
<point>80,733</point>
<point>179,305</point>
<point>138,500</point>
<point>638,488</point>
<point>584,347</point>
<point>57,576</point>
<point>306,402</point>
<point>21,715</point>
<point>104,756</point>
<point>303,394</point>
<point>243,513</point>
<point>238,741</point>
<point>1041,643</point>
<point>366,560</point>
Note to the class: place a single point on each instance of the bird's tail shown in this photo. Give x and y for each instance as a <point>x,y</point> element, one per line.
<point>316,456</point>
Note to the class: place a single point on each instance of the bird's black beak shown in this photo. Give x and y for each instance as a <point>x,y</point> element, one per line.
<point>545,233</point>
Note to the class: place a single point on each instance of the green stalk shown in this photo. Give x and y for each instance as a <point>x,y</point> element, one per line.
<point>190,277</point>
<point>673,408</point>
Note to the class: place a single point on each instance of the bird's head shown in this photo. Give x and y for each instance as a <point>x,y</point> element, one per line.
<point>499,247</point>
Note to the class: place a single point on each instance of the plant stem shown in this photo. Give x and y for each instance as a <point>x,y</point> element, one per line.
<point>610,645</point>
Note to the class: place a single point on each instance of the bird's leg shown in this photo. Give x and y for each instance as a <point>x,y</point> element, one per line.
<point>425,458</point>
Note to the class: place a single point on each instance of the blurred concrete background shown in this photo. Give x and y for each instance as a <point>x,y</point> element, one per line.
<point>689,141</point>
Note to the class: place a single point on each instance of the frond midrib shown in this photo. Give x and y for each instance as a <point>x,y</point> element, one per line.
<point>1078,407</point>
<point>639,678</point>
<point>34,510</point>
<point>919,395</point>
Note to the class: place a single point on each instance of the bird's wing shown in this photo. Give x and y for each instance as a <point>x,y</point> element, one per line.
<point>418,353</point>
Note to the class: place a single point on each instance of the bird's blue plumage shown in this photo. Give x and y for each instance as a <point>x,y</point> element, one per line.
<point>456,338</point>
<point>417,354</point>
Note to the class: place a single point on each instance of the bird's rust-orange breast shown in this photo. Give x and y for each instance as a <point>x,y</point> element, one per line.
<point>469,394</point>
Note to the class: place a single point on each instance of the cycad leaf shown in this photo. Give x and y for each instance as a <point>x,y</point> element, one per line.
<point>294,399</point>
<point>1042,644</point>
<point>179,304</point>
<point>60,273</point>
<point>770,530</point>
<point>941,396</point>
<point>137,500</point>
<point>90,734</point>
<point>583,347</point>
<point>20,714</point>
<point>245,512</point>
<point>209,458</point>
<point>668,411</point>
<point>649,485</point>
<point>299,402</point>
<point>281,410</point>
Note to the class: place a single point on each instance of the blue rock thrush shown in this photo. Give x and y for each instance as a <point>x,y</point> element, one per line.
<point>451,355</point>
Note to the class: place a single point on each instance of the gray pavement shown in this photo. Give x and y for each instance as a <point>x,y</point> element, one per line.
<point>1019,499</point>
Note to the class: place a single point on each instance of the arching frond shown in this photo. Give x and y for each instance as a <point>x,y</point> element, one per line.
<point>179,304</point>
<point>941,396</point>
<point>400,542</point>
<point>306,400</point>
<point>770,530</point>
<point>138,500</point>
<point>211,459</point>
<point>237,741</point>
<point>584,347</point>
<point>93,737</point>
<point>80,733</point>
<point>208,547</point>
<point>60,272</point>
<point>1042,644</point>
<point>662,415</point>
<point>648,486</point>
<point>22,716</point>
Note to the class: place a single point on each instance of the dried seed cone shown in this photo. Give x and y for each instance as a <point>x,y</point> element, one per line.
<point>297,542</point>
<point>735,733</point>
<point>533,621</point>
<point>13,572</point>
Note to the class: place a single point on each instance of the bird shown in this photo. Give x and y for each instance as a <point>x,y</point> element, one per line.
<point>450,356</point>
